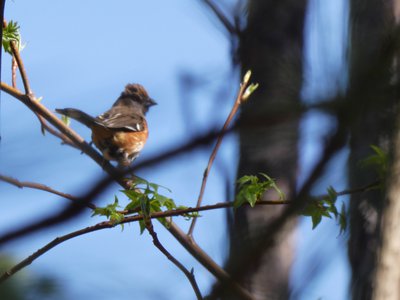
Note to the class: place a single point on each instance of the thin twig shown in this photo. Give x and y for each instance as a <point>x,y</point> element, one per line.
<point>361,189</point>
<point>46,127</point>
<point>42,187</point>
<point>170,257</point>
<point>27,261</point>
<point>238,101</point>
<point>198,253</point>
<point>221,17</point>
<point>14,67</point>
<point>21,68</point>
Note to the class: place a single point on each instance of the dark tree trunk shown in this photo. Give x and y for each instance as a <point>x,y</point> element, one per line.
<point>371,93</point>
<point>271,46</point>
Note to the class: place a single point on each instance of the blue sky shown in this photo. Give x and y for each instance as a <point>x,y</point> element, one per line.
<point>81,54</point>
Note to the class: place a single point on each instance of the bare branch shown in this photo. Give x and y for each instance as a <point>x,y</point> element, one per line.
<point>191,246</point>
<point>177,263</point>
<point>221,17</point>
<point>27,261</point>
<point>46,127</point>
<point>238,101</point>
<point>42,187</point>
<point>21,68</point>
<point>14,67</point>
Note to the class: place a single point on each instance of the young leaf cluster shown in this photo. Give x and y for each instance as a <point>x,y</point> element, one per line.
<point>252,188</point>
<point>11,34</point>
<point>145,199</point>
<point>326,207</point>
<point>110,211</point>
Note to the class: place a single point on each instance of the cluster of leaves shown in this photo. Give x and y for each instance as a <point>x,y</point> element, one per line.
<point>379,160</point>
<point>110,211</point>
<point>252,188</point>
<point>144,199</point>
<point>325,206</point>
<point>11,34</point>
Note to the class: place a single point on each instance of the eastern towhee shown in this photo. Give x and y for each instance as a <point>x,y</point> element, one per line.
<point>121,132</point>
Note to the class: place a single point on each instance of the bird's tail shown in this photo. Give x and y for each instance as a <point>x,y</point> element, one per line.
<point>78,115</point>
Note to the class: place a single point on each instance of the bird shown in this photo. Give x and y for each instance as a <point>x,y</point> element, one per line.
<point>121,132</point>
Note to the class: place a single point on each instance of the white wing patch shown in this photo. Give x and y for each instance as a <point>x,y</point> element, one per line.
<point>136,127</point>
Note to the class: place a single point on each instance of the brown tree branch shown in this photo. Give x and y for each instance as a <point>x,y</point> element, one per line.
<point>21,68</point>
<point>27,261</point>
<point>76,139</point>
<point>14,67</point>
<point>42,187</point>
<point>238,101</point>
<point>198,253</point>
<point>46,127</point>
<point>170,257</point>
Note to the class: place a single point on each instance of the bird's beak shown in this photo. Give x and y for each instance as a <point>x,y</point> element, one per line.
<point>151,102</point>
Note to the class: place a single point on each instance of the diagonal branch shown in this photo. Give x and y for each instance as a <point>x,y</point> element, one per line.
<point>198,253</point>
<point>221,17</point>
<point>27,261</point>
<point>170,257</point>
<point>238,101</point>
<point>21,68</point>
<point>40,109</point>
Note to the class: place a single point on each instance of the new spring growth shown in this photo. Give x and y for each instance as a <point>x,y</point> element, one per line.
<point>250,89</point>
<point>246,77</point>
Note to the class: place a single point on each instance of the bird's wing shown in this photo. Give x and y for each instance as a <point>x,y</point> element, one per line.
<point>119,119</point>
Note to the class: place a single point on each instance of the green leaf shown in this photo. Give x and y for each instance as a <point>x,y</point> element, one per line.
<point>110,212</point>
<point>252,188</point>
<point>274,186</point>
<point>316,219</point>
<point>11,34</point>
<point>133,205</point>
<point>142,226</point>
<point>343,219</point>
<point>332,194</point>
<point>245,179</point>
<point>316,210</point>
